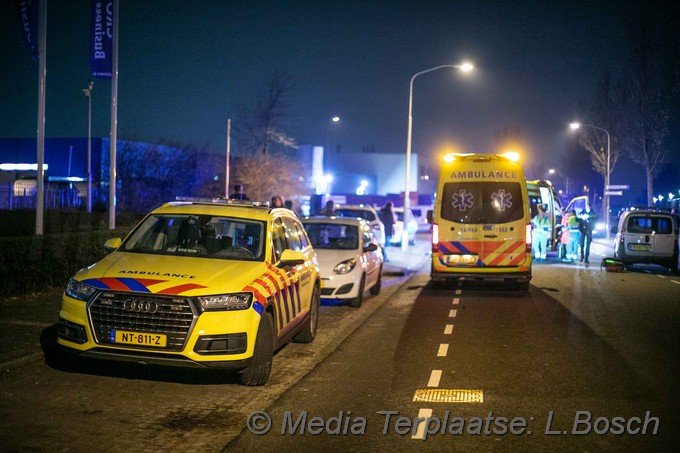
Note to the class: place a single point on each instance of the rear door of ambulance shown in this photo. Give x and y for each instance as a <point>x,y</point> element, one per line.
<point>483,223</point>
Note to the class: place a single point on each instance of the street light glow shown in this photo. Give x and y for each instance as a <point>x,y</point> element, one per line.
<point>575,125</point>
<point>335,119</point>
<point>466,67</point>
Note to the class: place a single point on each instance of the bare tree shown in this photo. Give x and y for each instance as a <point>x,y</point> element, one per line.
<point>647,110</point>
<point>260,129</point>
<point>266,175</point>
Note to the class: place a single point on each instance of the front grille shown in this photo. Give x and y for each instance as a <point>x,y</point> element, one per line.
<point>132,312</point>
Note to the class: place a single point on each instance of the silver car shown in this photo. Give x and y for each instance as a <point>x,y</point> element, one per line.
<point>367,213</point>
<point>647,236</point>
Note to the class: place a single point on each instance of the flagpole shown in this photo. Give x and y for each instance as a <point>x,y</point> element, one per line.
<point>40,171</point>
<point>226,170</point>
<point>114,120</point>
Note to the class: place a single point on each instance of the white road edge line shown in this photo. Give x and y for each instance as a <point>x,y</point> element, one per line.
<point>443,350</point>
<point>448,330</point>
<point>435,377</point>
<point>423,415</point>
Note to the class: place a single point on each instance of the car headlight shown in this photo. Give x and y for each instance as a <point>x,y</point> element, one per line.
<point>79,290</point>
<point>345,267</point>
<point>219,302</point>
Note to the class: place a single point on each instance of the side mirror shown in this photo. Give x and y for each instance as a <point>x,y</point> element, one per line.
<point>291,258</point>
<point>371,247</point>
<point>112,244</point>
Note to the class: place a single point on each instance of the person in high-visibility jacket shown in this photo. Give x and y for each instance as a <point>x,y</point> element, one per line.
<point>574,236</point>
<point>540,233</point>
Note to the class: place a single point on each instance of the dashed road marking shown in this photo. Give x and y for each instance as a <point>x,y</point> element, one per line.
<point>423,415</point>
<point>660,276</point>
<point>456,300</point>
<point>453,313</point>
<point>676,282</point>
<point>443,350</point>
<point>448,330</point>
<point>459,292</point>
<point>435,377</point>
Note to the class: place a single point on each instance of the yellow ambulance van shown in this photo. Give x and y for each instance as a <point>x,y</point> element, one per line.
<point>482,223</point>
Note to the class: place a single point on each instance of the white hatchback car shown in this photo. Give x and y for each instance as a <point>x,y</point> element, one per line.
<point>647,236</point>
<point>349,257</point>
<point>367,213</point>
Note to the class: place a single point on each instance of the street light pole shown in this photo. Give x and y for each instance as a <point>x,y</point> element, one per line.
<point>607,175</point>
<point>88,93</point>
<point>465,67</point>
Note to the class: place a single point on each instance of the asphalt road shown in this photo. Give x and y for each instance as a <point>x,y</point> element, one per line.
<point>582,340</point>
<point>583,344</point>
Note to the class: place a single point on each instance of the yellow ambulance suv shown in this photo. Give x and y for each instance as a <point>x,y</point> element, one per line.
<point>482,222</point>
<point>200,283</point>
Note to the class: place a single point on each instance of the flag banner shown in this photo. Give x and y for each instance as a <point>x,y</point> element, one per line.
<point>28,14</point>
<point>101,39</point>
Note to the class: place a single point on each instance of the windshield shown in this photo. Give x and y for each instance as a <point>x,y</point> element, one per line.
<point>482,202</point>
<point>333,236</point>
<point>354,213</point>
<point>198,236</point>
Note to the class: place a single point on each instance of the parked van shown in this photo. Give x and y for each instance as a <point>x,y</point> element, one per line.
<point>647,236</point>
<point>482,221</point>
<point>543,192</point>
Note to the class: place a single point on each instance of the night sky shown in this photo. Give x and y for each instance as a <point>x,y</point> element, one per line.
<point>186,66</point>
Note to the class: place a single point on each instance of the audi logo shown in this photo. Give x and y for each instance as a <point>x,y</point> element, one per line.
<point>140,307</point>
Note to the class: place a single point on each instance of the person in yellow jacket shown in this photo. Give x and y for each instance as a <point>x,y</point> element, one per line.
<point>540,233</point>
<point>574,236</point>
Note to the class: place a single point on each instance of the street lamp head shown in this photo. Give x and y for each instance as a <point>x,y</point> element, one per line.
<point>551,171</point>
<point>466,67</point>
<point>575,125</point>
<point>335,119</point>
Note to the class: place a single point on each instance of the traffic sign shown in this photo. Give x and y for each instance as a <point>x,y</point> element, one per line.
<point>613,192</point>
<point>618,187</point>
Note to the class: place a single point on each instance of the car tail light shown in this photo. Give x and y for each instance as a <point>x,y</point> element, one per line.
<point>528,237</point>
<point>435,238</point>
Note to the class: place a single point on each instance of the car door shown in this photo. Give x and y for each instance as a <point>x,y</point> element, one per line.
<point>638,236</point>
<point>303,276</point>
<point>663,237</point>
<point>372,258</point>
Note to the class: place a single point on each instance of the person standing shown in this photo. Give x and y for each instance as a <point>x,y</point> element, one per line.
<point>276,202</point>
<point>329,210</point>
<point>238,193</point>
<point>564,235</point>
<point>540,233</point>
<point>387,218</point>
<point>573,226</point>
<point>587,223</point>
